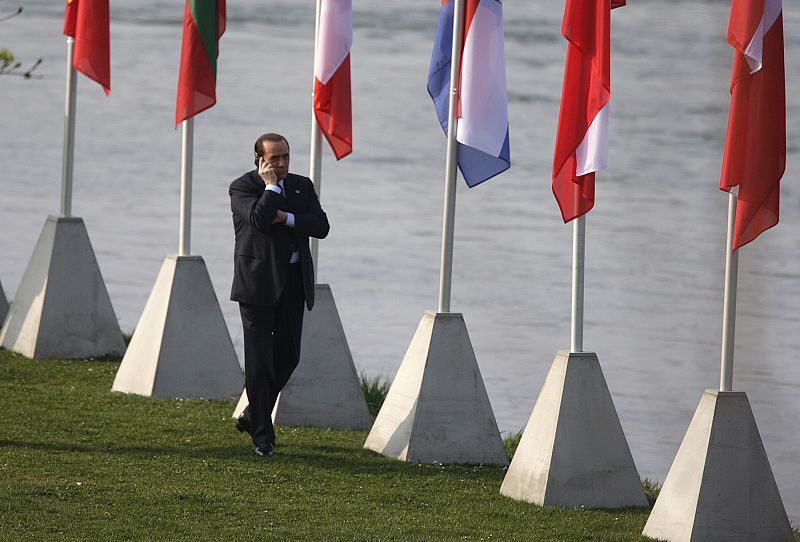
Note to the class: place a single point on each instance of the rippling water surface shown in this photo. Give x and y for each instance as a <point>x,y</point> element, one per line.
<point>655,241</point>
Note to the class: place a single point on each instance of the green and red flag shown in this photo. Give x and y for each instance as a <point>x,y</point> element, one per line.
<point>87,22</point>
<point>203,24</point>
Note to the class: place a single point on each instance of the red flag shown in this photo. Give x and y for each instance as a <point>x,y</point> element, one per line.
<point>755,146</point>
<point>87,22</point>
<point>203,25</point>
<point>332,102</point>
<point>582,136</point>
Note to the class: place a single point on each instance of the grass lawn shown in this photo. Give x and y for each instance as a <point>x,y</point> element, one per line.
<point>78,462</point>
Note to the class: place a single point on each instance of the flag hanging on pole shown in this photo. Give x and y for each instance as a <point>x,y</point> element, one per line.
<point>755,147</point>
<point>203,24</point>
<point>87,22</point>
<point>482,130</point>
<point>582,136</point>
<point>332,103</point>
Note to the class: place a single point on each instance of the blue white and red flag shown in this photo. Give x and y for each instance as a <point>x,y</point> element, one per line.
<point>482,130</point>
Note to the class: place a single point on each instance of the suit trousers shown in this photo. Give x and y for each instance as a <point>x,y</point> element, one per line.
<point>271,352</point>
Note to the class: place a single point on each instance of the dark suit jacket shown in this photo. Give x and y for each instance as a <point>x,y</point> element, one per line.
<point>263,249</point>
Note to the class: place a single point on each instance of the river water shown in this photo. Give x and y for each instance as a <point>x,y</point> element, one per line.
<point>655,240</point>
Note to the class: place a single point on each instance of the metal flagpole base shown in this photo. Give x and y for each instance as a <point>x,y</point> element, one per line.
<point>573,452</point>
<point>437,409</point>
<point>324,390</point>
<point>181,346</point>
<point>61,308</point>
<point>720,486</point>
<point>3,304</point>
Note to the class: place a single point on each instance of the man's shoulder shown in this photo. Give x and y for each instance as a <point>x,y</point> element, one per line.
<point>245,179</point>
<point>298,178</point>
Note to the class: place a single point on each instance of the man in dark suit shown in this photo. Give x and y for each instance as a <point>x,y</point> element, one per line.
<point>274,214</point>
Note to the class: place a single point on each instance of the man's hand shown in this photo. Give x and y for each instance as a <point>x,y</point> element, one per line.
<point>267,173</point>
<point>280,217</point>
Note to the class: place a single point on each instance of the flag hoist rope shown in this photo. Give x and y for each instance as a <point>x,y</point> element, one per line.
<point>729,302</point>
<point>578,253</point>
<point>315,159</point>
<point>451,167</point>
<point>187,145</point>
<point>69,133</point>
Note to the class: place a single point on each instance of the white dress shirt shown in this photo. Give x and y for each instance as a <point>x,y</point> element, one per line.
<point>289,216</point>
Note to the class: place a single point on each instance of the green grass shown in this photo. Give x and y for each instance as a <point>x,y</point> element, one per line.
<point>651,490</point>
<point>511,442</point>
<point>78,462</point>
<point>374,390</point>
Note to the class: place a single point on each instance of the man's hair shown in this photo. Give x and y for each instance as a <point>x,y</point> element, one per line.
<point>258,147</point>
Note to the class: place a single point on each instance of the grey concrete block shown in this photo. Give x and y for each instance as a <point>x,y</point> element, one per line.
<point>3,304</point>
<point>61,308</point>
<point>242,404</point>
<point>324,390</point>
<point>181,346</point>
<point>720,487</point>
<point>573,452</point>
<point>437,409</point>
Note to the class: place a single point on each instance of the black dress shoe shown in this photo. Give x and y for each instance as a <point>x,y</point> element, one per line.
<point>265,450</point>
<point>243,424</point>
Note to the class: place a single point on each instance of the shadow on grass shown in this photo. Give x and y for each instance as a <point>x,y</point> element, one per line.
<point>131,451</point>
<point>328,457</point>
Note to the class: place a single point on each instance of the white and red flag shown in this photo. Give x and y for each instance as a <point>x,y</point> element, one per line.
<point>755,147</point>
<point>582,136</point>
<point>332,102</point>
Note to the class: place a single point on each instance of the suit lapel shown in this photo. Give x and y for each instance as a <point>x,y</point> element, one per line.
<point>289,191</point>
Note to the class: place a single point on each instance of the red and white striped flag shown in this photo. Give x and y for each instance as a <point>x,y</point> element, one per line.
<point>582,136</point>
<point>332,104</point>
<point>755,147</point>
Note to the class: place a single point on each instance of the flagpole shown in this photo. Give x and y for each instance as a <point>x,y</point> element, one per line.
<point>69,133</point>
<point>578,253</point>
<point>187,146</point>
<point>315,160</point>
<point>729,302</point>
<point>448,218</point>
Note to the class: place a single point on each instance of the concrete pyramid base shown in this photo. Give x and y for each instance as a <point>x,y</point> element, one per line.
<point>720,486</point>
<point>181,346</point>
<point>573,452</point>
<point>242,404</point>
<point>324,390</point>
<point>61,308</point>
<point>437,409</point>
<point>3,304</point>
